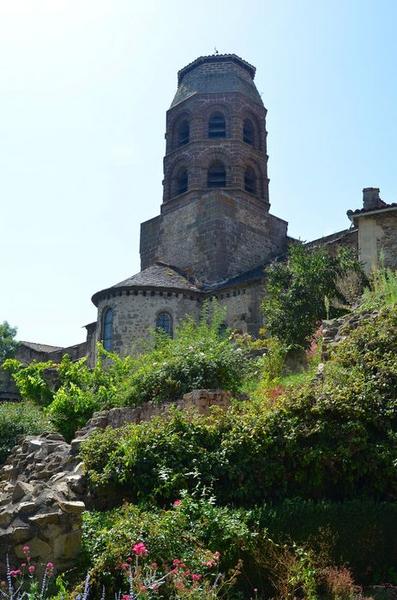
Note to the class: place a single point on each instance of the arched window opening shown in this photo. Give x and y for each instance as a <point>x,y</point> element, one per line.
<point>216,175</point>
<point>250,180</point>
<point>164,323</point>
<point>183,133</point>
<point>217,126</point>
<point>248,132</point>
<point>182,181</point>
<point>107,329</point>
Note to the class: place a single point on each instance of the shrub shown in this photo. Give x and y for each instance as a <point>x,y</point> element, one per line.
<point>190,533</point>
<point>200,356</point>
<point>303,290</point>
<point>322,440</point>
<point>382,290</point>
<point>16,420</point>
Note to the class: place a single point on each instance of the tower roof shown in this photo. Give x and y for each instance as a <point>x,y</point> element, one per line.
<point>216,73</point>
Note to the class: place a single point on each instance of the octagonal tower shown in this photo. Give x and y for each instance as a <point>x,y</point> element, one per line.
<point>215,222</point>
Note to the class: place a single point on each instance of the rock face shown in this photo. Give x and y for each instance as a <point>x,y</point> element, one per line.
<point>337,330</point>
<point>38,484</point>
<point>42,486</point>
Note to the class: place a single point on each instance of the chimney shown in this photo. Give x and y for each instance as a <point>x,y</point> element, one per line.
<point>371,198</point>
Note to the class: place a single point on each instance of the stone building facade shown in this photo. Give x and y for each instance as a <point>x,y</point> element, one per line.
<point>214,235</point>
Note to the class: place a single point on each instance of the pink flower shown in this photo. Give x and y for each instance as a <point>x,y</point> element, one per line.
<point>49,568</point>
<point>31,569</point>
<point>196,577</point>
<point>26,549</point>
<point>140,549</point>
<point>15,573</point>
<point>125,597</point>
<point>125,566</point>
<point>177,503</point>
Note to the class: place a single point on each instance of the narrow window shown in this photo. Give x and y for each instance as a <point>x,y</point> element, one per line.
<point>248,132</point>
<point>164,322</point>
<point>182,181</point>
<point>216,175</point>
<point>250,180</point>
<point>107,331</point>
<point>183,135</point>
<point>217,126</point>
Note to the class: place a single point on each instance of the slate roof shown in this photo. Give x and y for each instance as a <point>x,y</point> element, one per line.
<point>158,275</point>
<point>192,82</point>
<point>247,277</point>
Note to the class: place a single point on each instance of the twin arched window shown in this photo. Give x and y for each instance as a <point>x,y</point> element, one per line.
<point>107,329</point>
<point>164,322</point>
<point>216,176</point>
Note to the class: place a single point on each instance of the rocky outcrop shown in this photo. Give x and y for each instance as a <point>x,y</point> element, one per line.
<point>337,330</point>
<point>42,486</point>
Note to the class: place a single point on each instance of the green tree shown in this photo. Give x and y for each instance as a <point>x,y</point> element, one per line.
<point>8,343</point>
<point>303,290</point>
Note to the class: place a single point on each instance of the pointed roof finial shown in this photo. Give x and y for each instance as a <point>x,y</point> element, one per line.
<point>216,51</point>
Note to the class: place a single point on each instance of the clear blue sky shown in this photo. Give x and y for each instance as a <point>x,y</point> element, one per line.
<point>84,87</point>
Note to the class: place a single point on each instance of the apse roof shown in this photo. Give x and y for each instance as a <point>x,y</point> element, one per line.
<point>158,275</point>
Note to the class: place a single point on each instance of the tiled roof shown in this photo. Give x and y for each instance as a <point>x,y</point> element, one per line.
<point>363,211</point>
<point>158,275</point>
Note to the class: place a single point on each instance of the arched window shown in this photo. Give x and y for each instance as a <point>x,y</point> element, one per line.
<point>164,322</point>
<point>182,181</point>
<point>107,329</point>
<point>248,132</point>
<point>250,180</point>
<point>216,175</point>
<point>183,133</point>
<point>217,126</point>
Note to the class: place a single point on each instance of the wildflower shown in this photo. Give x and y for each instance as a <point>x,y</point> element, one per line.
<point>49,568</point>
<point>31,569</point>
<point>15,573</point>
<point>196,577</point>
<point>125,597</point>
<point>177,503</point>
<point>140,549</point>
<point>26,549</point>
<point>125,566</point>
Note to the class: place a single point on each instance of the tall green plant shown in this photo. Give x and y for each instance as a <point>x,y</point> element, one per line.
<point>302,290</point>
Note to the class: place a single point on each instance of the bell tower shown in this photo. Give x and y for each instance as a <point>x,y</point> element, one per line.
<point>215,222</point>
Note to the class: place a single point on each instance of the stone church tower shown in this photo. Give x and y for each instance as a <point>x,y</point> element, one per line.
<point>214,234</point>
<point>215,222</point>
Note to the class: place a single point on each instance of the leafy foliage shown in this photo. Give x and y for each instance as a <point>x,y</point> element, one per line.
<point>330,439</point>
<point>8,343</point>
<point>302,291</point>
<point>19,419</point>
<point>382,290</point>
<point>200,356</point>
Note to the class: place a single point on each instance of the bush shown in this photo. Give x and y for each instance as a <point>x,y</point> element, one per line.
<point>382,290</point>
<point>19,419</point>
<point>191,531</point>
<point>200,356</point>
<point>333,439</point>
<point>304,290</point>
